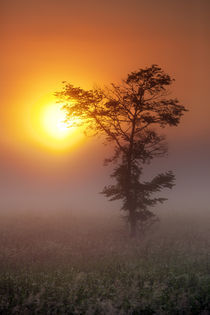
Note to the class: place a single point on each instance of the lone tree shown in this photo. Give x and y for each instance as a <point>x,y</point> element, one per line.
<point>127,114</point>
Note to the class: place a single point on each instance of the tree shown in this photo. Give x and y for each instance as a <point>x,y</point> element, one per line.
<point>126,115</point>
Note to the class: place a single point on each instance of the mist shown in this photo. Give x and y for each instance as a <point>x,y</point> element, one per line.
<point>64,247</point>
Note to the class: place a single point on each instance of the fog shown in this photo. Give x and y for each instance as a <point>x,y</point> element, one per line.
<point>65,248</point>
<point>73,182</point>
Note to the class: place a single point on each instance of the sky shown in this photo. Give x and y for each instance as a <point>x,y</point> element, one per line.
<point>45,42</point>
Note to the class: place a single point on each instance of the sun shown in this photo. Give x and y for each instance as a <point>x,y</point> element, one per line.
<point>50,129</point>
<point>53,119</point>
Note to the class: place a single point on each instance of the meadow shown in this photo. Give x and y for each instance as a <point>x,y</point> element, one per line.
<point>61,263</point>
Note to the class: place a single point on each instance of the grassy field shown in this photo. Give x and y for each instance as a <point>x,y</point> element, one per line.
<point>62,264</point>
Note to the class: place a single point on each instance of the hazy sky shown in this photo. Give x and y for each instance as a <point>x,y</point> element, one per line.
<point>45,42</point>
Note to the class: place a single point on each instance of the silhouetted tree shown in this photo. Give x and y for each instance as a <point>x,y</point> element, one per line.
<point>127,114</point>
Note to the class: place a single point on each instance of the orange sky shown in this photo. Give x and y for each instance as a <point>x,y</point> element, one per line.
<point>94,42</point>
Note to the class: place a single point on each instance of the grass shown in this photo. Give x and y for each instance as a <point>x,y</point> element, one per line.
<point>61,264</point>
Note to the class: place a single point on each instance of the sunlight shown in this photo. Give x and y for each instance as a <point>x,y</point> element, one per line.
<point>53,120</point>
<point>50,129</point>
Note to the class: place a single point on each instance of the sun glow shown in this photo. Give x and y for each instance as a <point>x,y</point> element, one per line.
<point>49,126</point>
<point>53,121</point>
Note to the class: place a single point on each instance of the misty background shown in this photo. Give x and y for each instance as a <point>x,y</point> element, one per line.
<point>98,42</point>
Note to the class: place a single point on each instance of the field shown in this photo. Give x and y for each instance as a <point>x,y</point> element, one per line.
<point>60,263</point>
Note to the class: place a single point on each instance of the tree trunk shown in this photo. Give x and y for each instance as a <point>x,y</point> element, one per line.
<point>130,200</point>
<point>132,226</point>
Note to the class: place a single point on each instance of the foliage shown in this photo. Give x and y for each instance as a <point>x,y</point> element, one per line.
<point>126,115</point>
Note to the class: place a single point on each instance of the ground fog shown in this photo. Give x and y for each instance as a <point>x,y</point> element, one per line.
<point>59,262</point>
